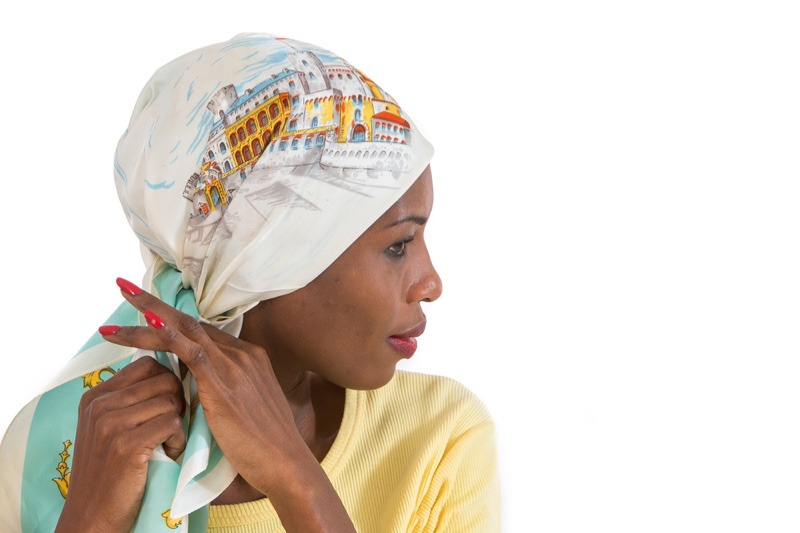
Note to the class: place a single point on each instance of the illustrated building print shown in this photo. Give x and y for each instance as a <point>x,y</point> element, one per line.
<point>290,119</point>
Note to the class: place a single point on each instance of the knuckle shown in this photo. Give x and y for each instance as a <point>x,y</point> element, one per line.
<point>128,372</point>
<point>167,404</point>
<point>259,354</point>
<point>173,336</point>
<point>196,353</point>
<point>148,364</point>
<point>189,325</point>
<point>165,381</point>
<point>106,428</point>
<point>174,381</point>
<point>177,385</point>
<point>176,403</point>
<point>175,424</point>
<point>87,398</point>
<point>93,406</point>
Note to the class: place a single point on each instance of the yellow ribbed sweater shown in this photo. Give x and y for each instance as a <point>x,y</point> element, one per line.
<point>417,455</point>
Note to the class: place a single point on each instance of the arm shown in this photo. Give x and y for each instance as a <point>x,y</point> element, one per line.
<point>464,492</point>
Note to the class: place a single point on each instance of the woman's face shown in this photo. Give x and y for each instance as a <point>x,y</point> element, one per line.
<point>357,319</point>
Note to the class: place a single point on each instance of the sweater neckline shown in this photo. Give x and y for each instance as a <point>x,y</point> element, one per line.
<point>347,434</point>
<point>258,511</point>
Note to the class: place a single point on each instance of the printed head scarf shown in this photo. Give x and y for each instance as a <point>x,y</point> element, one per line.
<point>251,165</point>
<point>247,168</point>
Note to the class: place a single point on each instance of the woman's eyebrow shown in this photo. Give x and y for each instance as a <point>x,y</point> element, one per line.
<point>412,218</point>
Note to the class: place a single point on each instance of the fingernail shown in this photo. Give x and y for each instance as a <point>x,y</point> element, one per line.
<point>153,319</point>
<point>108,329</point>
<point>128,287</point>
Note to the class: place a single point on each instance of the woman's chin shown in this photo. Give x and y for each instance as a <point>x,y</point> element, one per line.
<point>372,381</point>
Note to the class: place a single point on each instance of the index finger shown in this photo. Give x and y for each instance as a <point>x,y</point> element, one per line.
<point>138,297</point>
<point>143,301</point>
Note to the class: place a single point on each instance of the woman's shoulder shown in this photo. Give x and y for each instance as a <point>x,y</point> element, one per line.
<point>428,400</point>
<point>423,446</point>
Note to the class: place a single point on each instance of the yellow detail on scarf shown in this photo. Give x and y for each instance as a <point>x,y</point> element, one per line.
<point>92,379</point>
<point>172,524</point>
<point>63,469</point>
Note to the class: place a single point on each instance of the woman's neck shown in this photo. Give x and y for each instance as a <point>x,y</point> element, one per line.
<point>317,407</point>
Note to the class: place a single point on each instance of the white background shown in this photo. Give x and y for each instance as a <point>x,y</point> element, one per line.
<point>616,225</point>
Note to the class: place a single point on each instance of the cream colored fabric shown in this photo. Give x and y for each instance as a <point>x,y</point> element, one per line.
<point>417,455</point>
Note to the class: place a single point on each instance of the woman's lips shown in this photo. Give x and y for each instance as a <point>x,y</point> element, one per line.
<point>406,343</point>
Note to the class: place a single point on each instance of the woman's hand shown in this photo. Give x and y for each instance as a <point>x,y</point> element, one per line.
<point>246,410</point>
<point>120,422</point>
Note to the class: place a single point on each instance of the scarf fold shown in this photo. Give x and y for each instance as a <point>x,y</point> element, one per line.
<point>247,168</point>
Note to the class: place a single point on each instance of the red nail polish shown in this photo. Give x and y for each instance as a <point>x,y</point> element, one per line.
<point>128,287</point>
<point>108,329</point>
<point>153,319</point>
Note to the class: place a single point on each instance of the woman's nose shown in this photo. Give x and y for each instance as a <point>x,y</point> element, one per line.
<point>427,286</point>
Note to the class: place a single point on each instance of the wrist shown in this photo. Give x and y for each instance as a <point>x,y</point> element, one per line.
<point>80,516</point>
<point>308,502</point>
<point>292,476</point>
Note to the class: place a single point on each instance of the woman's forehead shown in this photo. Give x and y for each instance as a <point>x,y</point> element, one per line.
<point>415,205</point>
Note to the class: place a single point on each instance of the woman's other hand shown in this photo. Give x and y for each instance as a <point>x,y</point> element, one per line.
<point>120,422</point>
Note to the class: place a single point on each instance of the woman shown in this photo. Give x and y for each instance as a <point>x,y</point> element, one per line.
<point>281,198</point>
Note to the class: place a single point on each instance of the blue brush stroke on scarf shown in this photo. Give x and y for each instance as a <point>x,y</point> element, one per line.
<point>248,41</point>
<point>199,106</point>
<point>203,130</point>
<point>152,129</point>
<point>162,185</point>
<point>132,212</point>
<point>156,248</point>
<point>118,170</point>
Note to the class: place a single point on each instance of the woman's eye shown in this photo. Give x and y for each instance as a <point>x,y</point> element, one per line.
<point>398,249</point>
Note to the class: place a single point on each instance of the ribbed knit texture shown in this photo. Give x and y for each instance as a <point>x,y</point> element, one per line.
<point>417,455</point>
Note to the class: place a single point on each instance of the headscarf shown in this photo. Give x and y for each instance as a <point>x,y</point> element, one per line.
<point>247,168</point>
